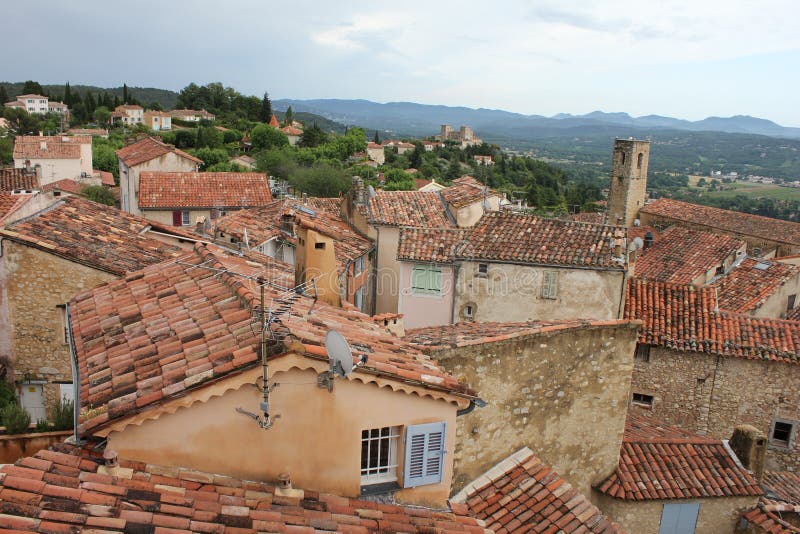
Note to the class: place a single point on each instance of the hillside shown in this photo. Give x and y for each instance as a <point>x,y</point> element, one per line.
<point>145,95</point>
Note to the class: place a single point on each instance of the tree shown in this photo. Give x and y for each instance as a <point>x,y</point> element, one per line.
<point>155,105</point>
<point>102,115</point>
<point>3,95</point>
<point>104,158</point>
<point>454,170</point>
<point>99,194</point>
<point>376,139</point>
<point>288,118</point>
<point>67,95</point>
<point>90,103</point>
<point>265,136</point>
<point>266,109</point>
<point>320,181</point>
<point>32,88</point>
<point>21,122</point>
<point>313,136</point>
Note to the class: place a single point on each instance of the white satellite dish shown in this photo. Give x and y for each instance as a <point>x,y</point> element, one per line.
<point>339,353</point>
<point>636,244</point>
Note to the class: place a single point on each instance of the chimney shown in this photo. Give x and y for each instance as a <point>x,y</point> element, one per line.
<point>285,489</point>
<point>359,193</point>
<point>750,446</point>
<point>649,238</point>
<point>287,222</point>
<point>618,242</point>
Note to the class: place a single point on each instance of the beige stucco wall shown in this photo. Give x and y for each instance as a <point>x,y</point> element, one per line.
<point>165,216</point>
<point>54,169</point>
<point>388,270</point>
<point>775,305</point>
<point>514,293</point>
<point>716,516</point>
<point>33,284</point>
<point>129,177</point>
<point>425,310</point>
<point>469,215</point>
<point>563,394</point>
<point>317,264</point>
<point>317,439</point>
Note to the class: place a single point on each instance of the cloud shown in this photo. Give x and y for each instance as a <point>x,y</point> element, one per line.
<point>358,35</point>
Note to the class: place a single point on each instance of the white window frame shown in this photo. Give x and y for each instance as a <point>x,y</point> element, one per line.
<point>385,468</point>
<point>358,298</point>
<point>358,266</point>
<point>185,218</point>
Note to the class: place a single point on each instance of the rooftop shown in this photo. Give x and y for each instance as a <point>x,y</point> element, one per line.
<point>91,234</point>
<point>10,202</point>
<point>726,221</point>
<point>408,208</point>
<point>49,146</point>
<point>522,494</point>
<point>681,255</point>
<point>171,327</point>
<point>464,191</point>
<point>18,180</point>
<point>661,462</point>
<point>782,486</point>
<point>749,284</point>
<point>147,149</point>
<point>438,245</point>
<point>166,190</point>
<point>69,491</point>
<point>67,185</point>
<point>683,317</point>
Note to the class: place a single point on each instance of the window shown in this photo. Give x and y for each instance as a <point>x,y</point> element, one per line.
<point>358,266</point>
<point>185,217</point>
<point>782,433</point>
<point>550,285</point>
<point>359,298</point>
<point>642,353</point>
<point>679,518</point>
<point>468,311</point>
<point>643,400</point>
<point>483,269</point>
<point>214,213</point>
<point>639,160</point>
<point>319,246</point>
<point>424,460</point>
<point>379,455</point>
<point>426,280</point>
<point>622,162</point>
<point>790,302</point>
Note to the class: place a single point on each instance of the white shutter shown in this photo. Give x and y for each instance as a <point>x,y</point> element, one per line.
<point>424,453</point>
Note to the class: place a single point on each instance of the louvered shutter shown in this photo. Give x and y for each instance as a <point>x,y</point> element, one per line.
<point>424,453</point>
<point>549,285</point>
<point>436,280</point>
<point>177,218</point>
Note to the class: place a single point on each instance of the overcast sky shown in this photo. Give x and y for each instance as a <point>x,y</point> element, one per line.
<point>686,59</point>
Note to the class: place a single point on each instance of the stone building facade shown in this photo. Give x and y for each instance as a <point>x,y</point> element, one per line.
<point>628,181</point>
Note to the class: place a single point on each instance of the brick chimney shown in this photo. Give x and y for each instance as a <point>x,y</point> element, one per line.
<point>750,446</point>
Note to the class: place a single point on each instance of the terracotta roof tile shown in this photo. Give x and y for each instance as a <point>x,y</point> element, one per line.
<point>465,190</point>
<point>439,245</point>
<point>661,462</point>
<point>18,180</point>
<point>165,190</point>
<point>67,185</point>
<point>10,202</point>
<point>750,283</point>
<point>772,518</point>
<point>588,217</point>
<point>139,498</point>
<point>49,147</point>
<point>151,316</point>
<point>147,149</point>
<point>408,208</point>
<point>726,220</point>
<point>522,494</point>
<point>683,317</point>
<point>467,333</point>
<point>92,234</point>
<point>682,255</point>
<point>291,130</point>
<point>782,486</point>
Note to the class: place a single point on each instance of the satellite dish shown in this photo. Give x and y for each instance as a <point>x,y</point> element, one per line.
<point>371,191</point>
<point>339,353</point>
<point>637,243</point>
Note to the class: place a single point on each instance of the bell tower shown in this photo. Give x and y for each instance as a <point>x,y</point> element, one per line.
<point>628,181</point>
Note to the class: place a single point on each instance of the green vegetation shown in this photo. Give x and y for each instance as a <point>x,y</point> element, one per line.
<point>99,194</point>
<point>62,415</point>
<point>15,418</point>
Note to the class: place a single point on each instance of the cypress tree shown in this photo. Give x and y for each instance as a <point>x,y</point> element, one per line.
<point>125,95</point>
<point>266,108</point>
<point>376,139</point>
<point>3,94</point>
<point>67,95</point>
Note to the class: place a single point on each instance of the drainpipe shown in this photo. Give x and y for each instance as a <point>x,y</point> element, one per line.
<point>456,268</point>
<point>480,403</point>
<point>622,294</point>
<point>76,377</point>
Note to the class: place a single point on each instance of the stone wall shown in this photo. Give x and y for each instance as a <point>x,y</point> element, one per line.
<point>628,181</point>
<point>717,515</point>
<point>711,395</point>
<point>562,393</point>
<point>35,284</point>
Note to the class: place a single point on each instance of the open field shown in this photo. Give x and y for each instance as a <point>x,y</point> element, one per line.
<point>752,190</point>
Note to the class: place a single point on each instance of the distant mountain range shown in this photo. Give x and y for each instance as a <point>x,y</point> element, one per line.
<point>408,118</point>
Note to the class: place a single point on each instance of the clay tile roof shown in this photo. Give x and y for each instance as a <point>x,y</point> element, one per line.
<point>750,283</point>
<point>781,486</point>
<point>10,202</point>
<point>794,314</point>
<point>166,190</point>
<point>18,180</point>
<point>174,326</point>
<point>682,255</point>
<point>147,149</point>
<point>772,518</point>
<point>522,494</point>
<point>683,317</point>
<point>348,244</point>
<point>291,130</point>
<point>438,245</point>
<point>726,220</point>
<point>589,217</point>
<point>262,223</point>
<point>528,239</point>
<point>48,147</point>
<point>274,122</point>
<point>661,462</point>
<point>106,178</point>
<point>67,185</point>
<point>466,333</point>
<point>465,190</point>
<point>67,490</point>
<point>333,205</point>
<point>40,97</point>
<point>408,208</point>
<point>92,234</point>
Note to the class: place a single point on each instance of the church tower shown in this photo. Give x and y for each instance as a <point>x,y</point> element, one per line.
<point>628,181</point>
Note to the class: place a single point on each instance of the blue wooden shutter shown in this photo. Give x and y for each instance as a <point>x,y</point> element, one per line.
<point>679,518</point>
<point>424,452</point>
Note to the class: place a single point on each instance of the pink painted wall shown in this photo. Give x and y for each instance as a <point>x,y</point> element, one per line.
<point>425,310</point>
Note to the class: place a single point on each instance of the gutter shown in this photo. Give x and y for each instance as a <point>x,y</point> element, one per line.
<point>480,403</point>
<point>76,376</point>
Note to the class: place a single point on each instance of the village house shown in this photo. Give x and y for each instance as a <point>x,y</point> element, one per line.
<point>425,185</point>
<point>765,237</point>
<point>157,120</point>
<point>464,136</point>
<point>312,237</point>
<point>31,103</point>
<point>761,288</point>
<point>430,146</point>
<point>468,199</point>
<point>669,481</point>
<point>191,115</point>
<point>128,114</point>
<point>170,366</point>
<point>22,180</point>
<point>58,107</point>
<point>186,198</point>
<point>48,256</point>
<point>523,494</point>
<point>707,370</point>
<point>57,157</point>
<point>76,490</point>
<point>148,154</point>
<point>557,387</point>
<point>248,162</point>
<point>292,133</point>
<point>376,153</point>
<point>684,256</point>
<point>400,147</point>
<point>483,160</point>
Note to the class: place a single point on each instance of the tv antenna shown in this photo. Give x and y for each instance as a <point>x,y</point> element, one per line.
<point>340,358</point>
